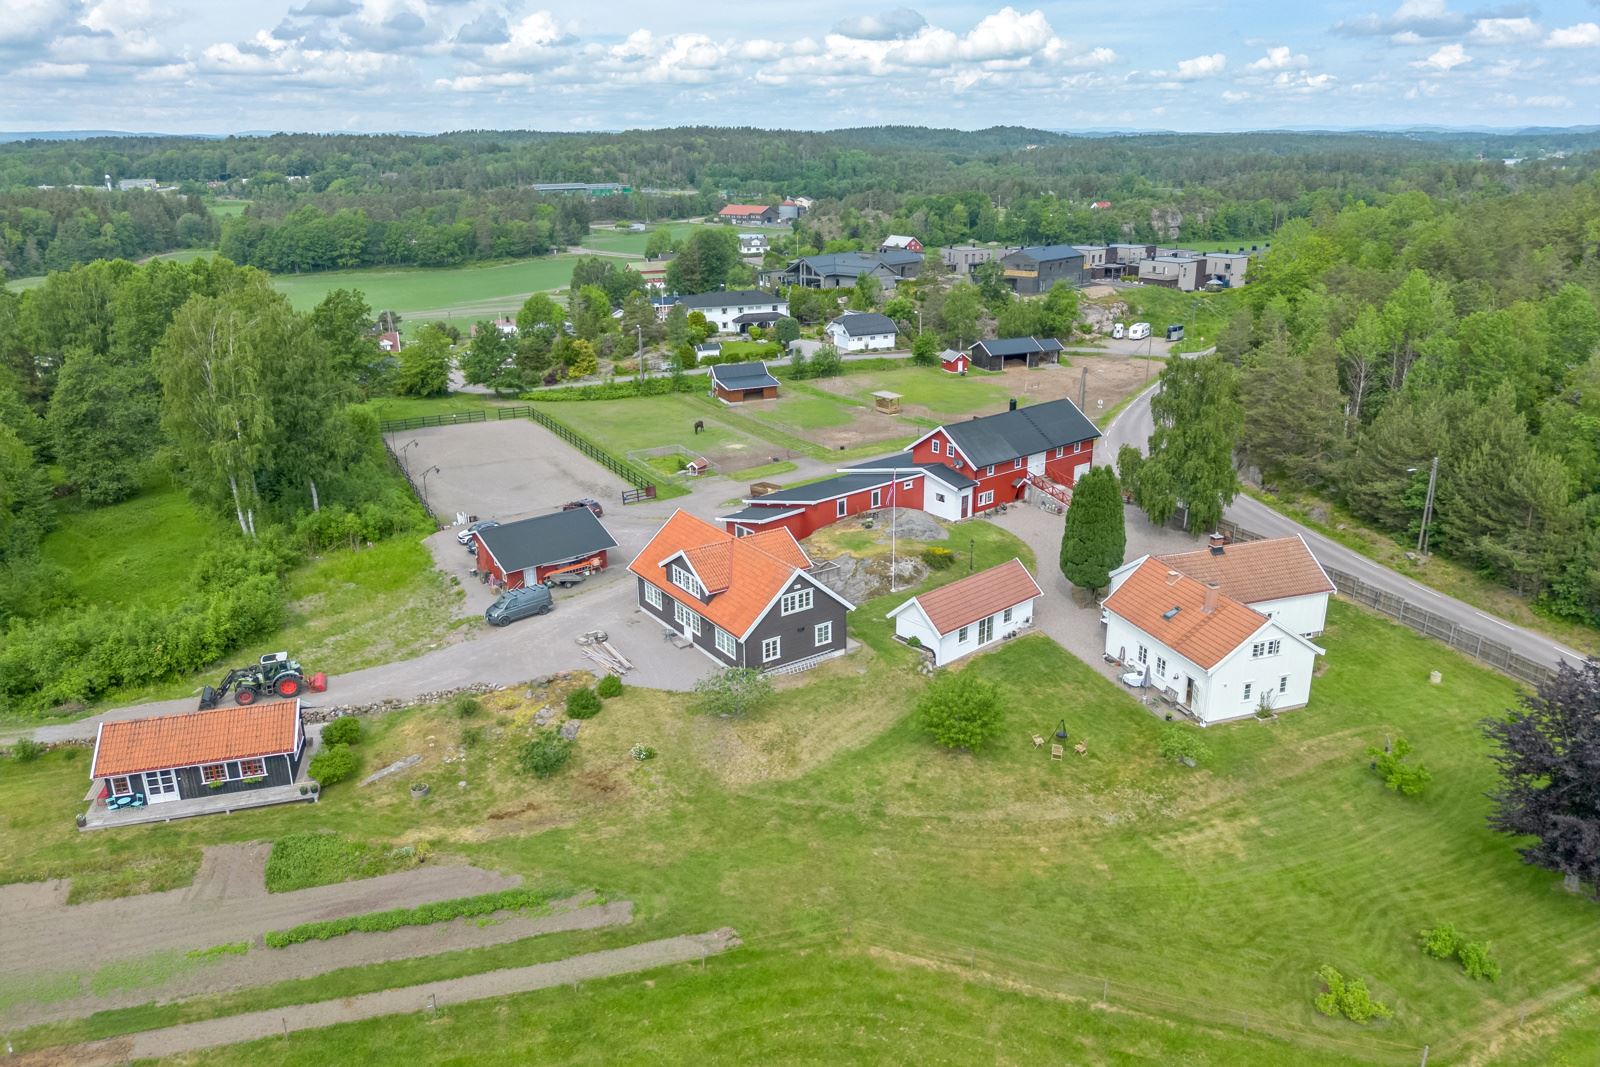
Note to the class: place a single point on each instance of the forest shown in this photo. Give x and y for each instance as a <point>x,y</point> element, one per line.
<point>53,229</point>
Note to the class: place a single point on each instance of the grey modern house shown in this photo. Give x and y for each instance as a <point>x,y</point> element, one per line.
<point>1037,268</point>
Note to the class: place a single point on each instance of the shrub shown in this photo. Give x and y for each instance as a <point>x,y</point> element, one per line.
<point>544,754</point>
<point>26,750</point>
<point>642,752</point>
<point>465,705</point>
<point>939,559</point>
<point>610,686</point>
<point>1180,741</point>
<point>1441,942</point>
<point>914,641</point>
<point>437,912</point>
<point>1445,942</point>
<point>1407,779</point>
<point>583,703</point>
<point>1476,961</point>
<point>1348,997</point>
<point>960,710</point>
<point>733,691</point>
<point>333,764</point>
<point>345,730</point>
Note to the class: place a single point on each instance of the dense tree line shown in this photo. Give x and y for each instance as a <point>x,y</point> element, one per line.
<point>53,229</point>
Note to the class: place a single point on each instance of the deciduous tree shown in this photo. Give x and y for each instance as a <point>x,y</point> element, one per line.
<point>424,365</point>
<point>1197,425</point>
<point>960,710</point>
<point>103,421</point>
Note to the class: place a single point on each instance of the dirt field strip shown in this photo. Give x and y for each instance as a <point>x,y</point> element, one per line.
<point>251,1026</point>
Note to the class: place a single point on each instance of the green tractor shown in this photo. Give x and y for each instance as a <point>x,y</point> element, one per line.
<point>273,674</point>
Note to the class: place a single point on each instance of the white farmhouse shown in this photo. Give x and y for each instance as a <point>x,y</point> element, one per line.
<point>1215,657</point>
<point>1278,577</point>
<point>736,310</point>
<point>861,331</point>
<point>958,619</point>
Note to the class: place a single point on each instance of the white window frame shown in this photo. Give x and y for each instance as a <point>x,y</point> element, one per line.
<point>684,579</point>
<point>126,789</point>
<point>989,471</point>
<point>259,772</point>
<point>207,777</point>
<point>1016,464</point>
<point>841,507</point>
<point>939,497</point>
<point>1274,646</point>
<point>686,617</point>
<point>1144,654</point>
<point>877,498</point>
<point>1061,452</point>
<point>906,486</point>
<point>823,634</point>
<point>652,596</point>
<point>937,445</point>
<point>1283,683</point>
<point>796,600</point>
<point>1161,666</point>
<point>1005,616</point>
<point>961,635</point>
<point>1249,688</point>
<point>771,649</point>
<point>986,497</point>
<point>1258,650</point>
<point>725,643</point>
<point>986,630</point>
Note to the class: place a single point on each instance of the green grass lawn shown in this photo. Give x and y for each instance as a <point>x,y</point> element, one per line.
<point>901,902</point>
<point>466,293</point>
<point>656,421</point>
<point>226,208</point>
<point>611,240</point>
<point>941,393</point>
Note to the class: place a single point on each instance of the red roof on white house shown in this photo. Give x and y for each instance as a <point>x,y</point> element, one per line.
<point>977,596</point>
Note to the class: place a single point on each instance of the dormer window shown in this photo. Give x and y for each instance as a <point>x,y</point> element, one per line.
<point>684,579</point>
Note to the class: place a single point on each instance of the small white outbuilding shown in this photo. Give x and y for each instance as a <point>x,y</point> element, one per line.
<point>958,619</point>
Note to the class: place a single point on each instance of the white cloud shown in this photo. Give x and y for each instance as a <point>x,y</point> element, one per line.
<point>1233,96</point>
<point>1446,57</point>
<point>1546,101</point>
<point>1582,35</point>
<point>29,21</point>
<point>1201,66</point>
<point>54,71</point>
<point>890,26</point>
<point>1503,31</point>
<point>533,41</point>
<point>1281,57</point>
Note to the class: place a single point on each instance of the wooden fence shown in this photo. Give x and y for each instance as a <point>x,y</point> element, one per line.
<point>1485,650</point>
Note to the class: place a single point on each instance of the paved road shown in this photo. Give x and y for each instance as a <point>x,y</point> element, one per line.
<point>1133,426</point>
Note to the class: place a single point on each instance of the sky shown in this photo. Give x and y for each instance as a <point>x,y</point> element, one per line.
<point>198,66</point>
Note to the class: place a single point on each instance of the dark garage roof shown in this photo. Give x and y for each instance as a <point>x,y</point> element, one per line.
<point>864,323</point>
<point>546,539</point>
<point>1023,432</point>
<point>742,376</point>
<point>1020,346</point>
<point>906,462</point>
<point>754,513</point>
<point>730,298</point>
<point>827,489</point>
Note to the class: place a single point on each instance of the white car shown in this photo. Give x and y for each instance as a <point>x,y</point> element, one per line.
<point>1138,331</point>
<point>1117,331</point>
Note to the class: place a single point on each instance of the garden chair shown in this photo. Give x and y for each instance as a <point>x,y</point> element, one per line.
<point>1081,749</point>
<point>1056,751</point>
<point>1038,742</point>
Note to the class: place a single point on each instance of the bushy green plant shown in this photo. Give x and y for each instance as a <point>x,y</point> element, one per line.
<point>938,559</point>
<point>583,703</point>
<point>1477,962</point>
<point>1348,997</point>
<point>1441,942</point>
<point>733,691</point>
<point>299,861</point>
<point>471,736</point>
<point>544,754</point>
<point>610,686</point>
<point>231,948</point>
<point>1444,942</point>
<point>960,710</point>
<point>1407,779</point>
<point>437,912</point>
<point>642,752</point>
<point>333,764</point>
<point>1179,741</point>
<point>345,730</point>
<point>465,705</point>
<point>26,750</point>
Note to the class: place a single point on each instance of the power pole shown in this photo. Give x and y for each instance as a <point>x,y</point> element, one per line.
<point>1083,389</point>
<point>1427,507</point>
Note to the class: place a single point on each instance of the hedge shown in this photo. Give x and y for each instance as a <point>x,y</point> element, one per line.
<point>427,914</point>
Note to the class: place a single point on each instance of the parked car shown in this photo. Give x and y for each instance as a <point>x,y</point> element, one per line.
<point>516,604</point>
<point>1138,331</point>
<point>465,536</point>
<point>1117,330</point>
<point>585,502</point>
<point>1175,332</point>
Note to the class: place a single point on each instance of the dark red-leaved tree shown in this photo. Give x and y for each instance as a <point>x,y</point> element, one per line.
<point>1549,761</point>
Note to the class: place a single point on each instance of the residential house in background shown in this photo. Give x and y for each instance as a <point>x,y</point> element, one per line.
<point>744,601</point>
<point>749,215</point>
<point>1094,262</point>
<point>965,616</point>
<point>736,310</point>
<point>1214,657</point>
<point>899,242</point>
<point>861,331</point>
<point>1033,351</point>
<point>174,766</point>
<point>531,551</point>
<point>965,259</point>
<point>1034,270</point>
<point>839,270</point>
<point>753,244</point>
<point>734,383</point>
<point>1172,272</point>
<point>1226,269</point>
<point>389,342</point>
<point>794,208</point>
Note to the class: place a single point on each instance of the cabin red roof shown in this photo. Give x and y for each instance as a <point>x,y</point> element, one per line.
<point>162,742</point>
<point>977,596</point>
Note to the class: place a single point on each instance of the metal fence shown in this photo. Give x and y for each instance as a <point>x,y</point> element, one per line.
<point>1485,650</point>
<point>632,473</point>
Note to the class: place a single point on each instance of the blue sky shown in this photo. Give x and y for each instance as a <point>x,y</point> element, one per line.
<point>364,65</point>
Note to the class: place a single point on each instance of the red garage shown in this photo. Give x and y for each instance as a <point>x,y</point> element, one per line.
<point>534,550</point>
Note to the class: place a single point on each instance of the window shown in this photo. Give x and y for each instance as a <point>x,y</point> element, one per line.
<point>689,620</point>
<point>824,634</point>
<point>988,470</point>
<point>684,579</point>
<point>877,498</point>
<point>936,446</point>
<point>1062,451</point>
<point>1078,447</point>
<point>1274,647</point>
<point>799,600</point>
<point>1283,683</point>
<point>1016,464</point>
<point>939,497</point>
<point>961,635</point>
<point>1258,650</point>
<point>252,768</point>
<point>770,649</point>
<point>839,507</point>
<point>121,787</point>
<point>725,643</point>
<point>1161,666</point>
<point>214,772</point>
<point>1249,687</point>
<point>652,596</point>
<point>1144,654</point>
<point>1005,616</point>
<point>906,486</point>
<point>986,630</point>
<point>986,498</point>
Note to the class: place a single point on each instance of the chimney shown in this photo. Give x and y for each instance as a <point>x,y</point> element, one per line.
<point>1013,404</point>
<point>1172,577</point>
<point>1216,542</point>
<point>1211,598</point>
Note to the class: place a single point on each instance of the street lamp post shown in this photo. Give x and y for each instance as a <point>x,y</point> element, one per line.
<point>404,459</point>
<point>430,470</point>
<point>639,331</point>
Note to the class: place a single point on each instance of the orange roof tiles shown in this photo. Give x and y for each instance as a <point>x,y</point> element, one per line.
<point>753,569</point>
<point>1255,571</point>
<point>134,745</point>
<point>978,596</point>
<point>1205,638</point>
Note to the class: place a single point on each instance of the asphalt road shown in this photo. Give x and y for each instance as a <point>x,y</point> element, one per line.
<point>1133,426</point>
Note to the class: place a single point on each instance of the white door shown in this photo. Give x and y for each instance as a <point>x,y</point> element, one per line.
<point>1080,470</point>
<point>160,786</point>
<point>1036,463</point>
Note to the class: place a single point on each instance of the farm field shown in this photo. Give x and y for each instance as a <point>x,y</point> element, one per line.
<point>934,396</point>
<point>1197,903</point>
<point>650,422</point>
<point>419,293</point>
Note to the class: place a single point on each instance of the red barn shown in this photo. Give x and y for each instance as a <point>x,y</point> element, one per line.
<point>954,362</point>
<point>530,551</point>
<point>1043,445</point>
